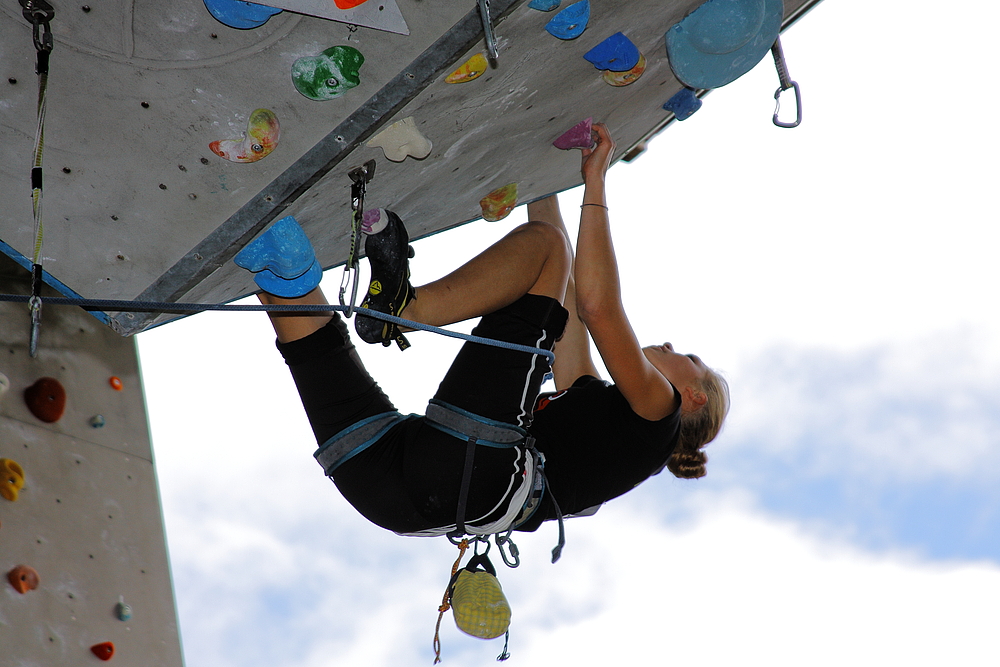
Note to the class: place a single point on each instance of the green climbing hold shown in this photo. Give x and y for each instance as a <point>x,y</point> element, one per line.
<point>328,75</point>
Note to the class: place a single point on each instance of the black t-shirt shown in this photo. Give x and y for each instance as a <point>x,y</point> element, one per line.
<point>596,448</point>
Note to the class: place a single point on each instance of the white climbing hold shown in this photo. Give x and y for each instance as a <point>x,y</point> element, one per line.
<point>400,139</point>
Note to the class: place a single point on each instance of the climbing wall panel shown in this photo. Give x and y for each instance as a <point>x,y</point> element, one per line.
<point>87,515</point>
<point>140,206</point>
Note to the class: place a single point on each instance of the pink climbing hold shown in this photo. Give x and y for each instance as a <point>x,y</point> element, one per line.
<point>578,136</point>
<point>23,578</point>
<point>104,650</point>
<point>46,399</point>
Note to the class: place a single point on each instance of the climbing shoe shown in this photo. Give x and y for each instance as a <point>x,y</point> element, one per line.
<point>282,260</point>
<point>390,291</point>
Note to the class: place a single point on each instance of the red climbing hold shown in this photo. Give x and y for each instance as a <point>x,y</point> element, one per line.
<point>23,579</point>
<point>116,383</point>
<point>46,399</point>
<point>104,650</point>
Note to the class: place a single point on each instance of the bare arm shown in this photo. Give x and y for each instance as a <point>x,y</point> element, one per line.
<point>598,295</point>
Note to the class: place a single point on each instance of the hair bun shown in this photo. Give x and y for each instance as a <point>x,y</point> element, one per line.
<point>687,465</point>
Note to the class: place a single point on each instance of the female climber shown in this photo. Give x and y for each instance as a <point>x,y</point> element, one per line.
<point>491,455</point>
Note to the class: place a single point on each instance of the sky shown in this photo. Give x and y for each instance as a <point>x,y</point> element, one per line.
<point>841,275</point>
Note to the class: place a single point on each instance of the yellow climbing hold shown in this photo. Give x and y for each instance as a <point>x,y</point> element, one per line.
<point>11,479</point>
<point>498,204</point>
<point>473,68</point>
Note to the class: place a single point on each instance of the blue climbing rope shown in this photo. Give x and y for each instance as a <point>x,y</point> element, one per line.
<point>168,307</point>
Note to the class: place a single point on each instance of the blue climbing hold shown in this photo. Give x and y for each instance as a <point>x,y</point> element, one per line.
<point>239,13</point>
<point>617,53</point>
<point>570,22</point>
<point>544,5</point>
<point>683,104</point>
<point>722,40</point>
<point>282,259</point>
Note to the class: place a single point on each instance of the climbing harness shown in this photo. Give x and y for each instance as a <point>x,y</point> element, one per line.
<point>39,13</point>
<point>479,431</point>
<point>786,83</point>
<point>360,178</point>
<point>491,40</point>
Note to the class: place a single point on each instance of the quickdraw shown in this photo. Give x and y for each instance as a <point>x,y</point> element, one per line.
<point>360,178</point>
<point>39,13</point>
<point>786,83</point>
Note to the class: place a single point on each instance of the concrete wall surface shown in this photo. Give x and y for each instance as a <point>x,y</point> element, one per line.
<point>88,517</point>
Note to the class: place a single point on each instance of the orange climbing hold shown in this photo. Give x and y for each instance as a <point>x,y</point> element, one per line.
<point>23,578</point>
<point>498,204</point>
<point>104,650</point>
<point>46,399</point>
<point>116,383</point>
<point>11,479</point>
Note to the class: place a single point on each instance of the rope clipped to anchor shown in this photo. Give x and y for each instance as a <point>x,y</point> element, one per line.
<point>39,13</point>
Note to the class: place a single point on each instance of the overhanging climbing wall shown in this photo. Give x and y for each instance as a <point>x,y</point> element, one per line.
<point>138,205</point>
<point>79,506</point>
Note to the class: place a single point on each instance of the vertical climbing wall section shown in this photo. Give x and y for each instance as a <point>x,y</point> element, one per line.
<point>83,562</point>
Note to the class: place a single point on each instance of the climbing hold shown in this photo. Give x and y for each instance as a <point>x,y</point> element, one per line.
<point>116,383</point>
<point>625,78</point>
<point>570,22</point>
<point>683,104</point>
<point>722,40</point>
<point>498,204</point>
<point>257,143</point>
<point>400,139</point>
<point>374,220</point>
<point>328,75</point>
<point>11,479</point>
<point>348,4</point>
<point>97,421</point>
<point>122,610</point>
<point>617,53</point>
<point>4,384</point>
<point>46,399</point>
<point>544,5</point>
<point>240,14</point>
<point>471,69</point>
<point>282,259</point>
<point>23,578</point>
<point>578,136</point>
<point>104,650</point>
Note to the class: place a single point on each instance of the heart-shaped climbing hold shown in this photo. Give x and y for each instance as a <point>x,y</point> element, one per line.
<point>46,399</point>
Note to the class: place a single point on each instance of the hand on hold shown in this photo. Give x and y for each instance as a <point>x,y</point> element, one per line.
<point>596,160</point>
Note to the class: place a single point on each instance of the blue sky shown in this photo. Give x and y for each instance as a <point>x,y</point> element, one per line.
<point>843,277</point>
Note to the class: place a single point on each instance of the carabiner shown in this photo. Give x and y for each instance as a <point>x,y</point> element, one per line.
<point>515,554</point>
<point>39,13</point>
<point>798,106</point>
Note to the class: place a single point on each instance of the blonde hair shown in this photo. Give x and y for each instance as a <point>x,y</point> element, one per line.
<point>699,428</point>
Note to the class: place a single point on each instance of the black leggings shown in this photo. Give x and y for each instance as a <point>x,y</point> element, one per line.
<point>408,481</point>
